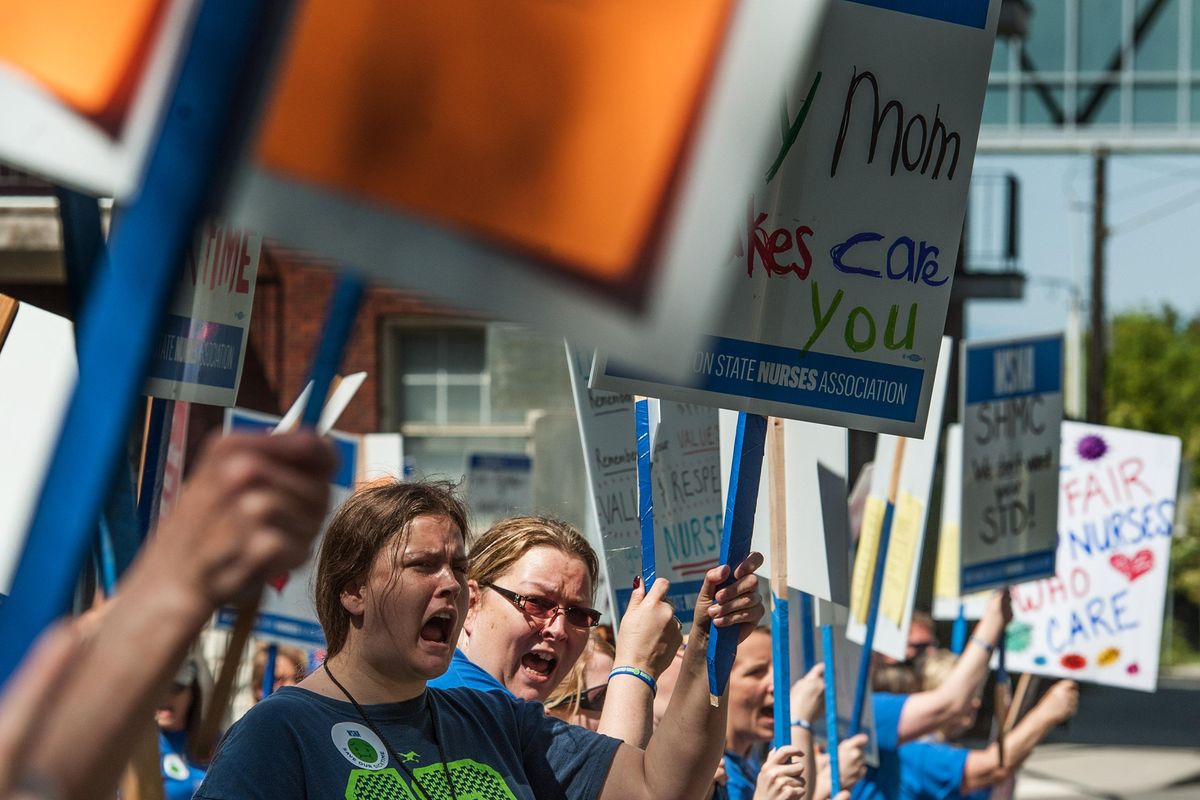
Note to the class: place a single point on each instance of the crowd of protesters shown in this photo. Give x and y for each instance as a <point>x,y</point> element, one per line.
<point>464,667</point>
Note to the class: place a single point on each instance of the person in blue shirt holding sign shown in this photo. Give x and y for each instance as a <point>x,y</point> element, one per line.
<point>178,715</point>
<point>901,718</point>
<point>392,595</point>
<point>935,769</point>
<point>521,572</point>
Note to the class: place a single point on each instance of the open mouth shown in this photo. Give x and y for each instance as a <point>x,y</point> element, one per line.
<point>438,628</point>
<point>767,711</point>
<point>541,664</point>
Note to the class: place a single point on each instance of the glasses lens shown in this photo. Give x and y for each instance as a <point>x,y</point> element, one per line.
<point>539,607</point>
<point>582,617</point>
<point>592,699</point>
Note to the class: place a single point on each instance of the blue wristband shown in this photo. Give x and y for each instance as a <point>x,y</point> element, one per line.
<point>983,644</point>
<point>802,723</point>
<point>641,675</point>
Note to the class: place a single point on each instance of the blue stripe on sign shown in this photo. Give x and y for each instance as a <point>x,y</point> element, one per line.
<point>1014,369</point>
<point>502,463</point>
<point>971,13</point>
<point>346,450</point>
<point>276,625</point>
<point>682,595</point>
<point>835,383</point>
<point>196,351</point>
<point>1014,569</point>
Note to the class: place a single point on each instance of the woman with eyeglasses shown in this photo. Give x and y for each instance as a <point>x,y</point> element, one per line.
<point>392,596</point>
<point>532,584</point>
<point>579,699</point>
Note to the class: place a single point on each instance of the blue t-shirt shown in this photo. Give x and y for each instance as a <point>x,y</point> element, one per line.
<point>464,673</point>
<point>180,778</point>
<point>299,744</point>
<point>883,782</point>
<point>743,776</point>
<point>931,771</point>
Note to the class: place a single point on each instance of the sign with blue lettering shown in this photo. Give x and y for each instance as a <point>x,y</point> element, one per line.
<point>498,485</point>
<point>1012,410</point>
<point>845,253</point>
<point>1099,617</point>
<point>200,351</point>
<point>286,614</point>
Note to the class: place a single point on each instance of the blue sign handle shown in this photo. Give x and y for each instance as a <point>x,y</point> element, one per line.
<point>807,631</point>
<point>268,678</point>
<point>339,324</point>
<point>203,124</point>
<point>958,635</point>
<point>641,418</point>
<point>740,506</point>
<point>831,712</point>
<point>781,654</point>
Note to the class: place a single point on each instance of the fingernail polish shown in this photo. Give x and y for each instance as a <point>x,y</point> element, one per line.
<point>637,581</point>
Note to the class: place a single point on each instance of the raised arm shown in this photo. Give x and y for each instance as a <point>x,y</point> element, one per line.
<point>982,768</point>
<point>683,752</point>
<point>251,510</point>
<point>650,637</point>
<point>925,712</point>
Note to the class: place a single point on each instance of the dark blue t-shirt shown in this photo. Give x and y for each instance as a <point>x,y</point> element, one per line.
<point>299,744</point>
<point>743,776</point>
<point>465,673</point>
<point>883,782</point>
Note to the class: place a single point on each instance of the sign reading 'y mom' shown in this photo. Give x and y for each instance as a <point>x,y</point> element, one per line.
<point>847,245</point>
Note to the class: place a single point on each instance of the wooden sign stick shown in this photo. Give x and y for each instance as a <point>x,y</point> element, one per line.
<point>1002,698</point>
<point>780,646</point>
<point>885,535</point>
<point>8,313</point>
<point>1026,688</point>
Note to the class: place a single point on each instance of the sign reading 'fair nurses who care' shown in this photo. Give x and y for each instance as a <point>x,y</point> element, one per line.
<point>199,356</point>
<point>1100,617</point>
<point>1012,410</point>
<point>846,249</point>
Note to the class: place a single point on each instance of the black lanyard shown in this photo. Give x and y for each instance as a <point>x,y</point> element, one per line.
<point>437,738</point>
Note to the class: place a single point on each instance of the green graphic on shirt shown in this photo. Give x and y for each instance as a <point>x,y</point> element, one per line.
<point>362,749</point>
<point>472,781</point>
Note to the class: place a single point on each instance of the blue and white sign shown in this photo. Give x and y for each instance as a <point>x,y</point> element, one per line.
<point>199,355</point>
<point>1011,418</point>
<point>845,253</point>
<point>286,614</point>
<point>499,485</point>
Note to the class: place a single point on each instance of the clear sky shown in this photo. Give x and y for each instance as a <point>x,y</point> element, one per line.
<point>1154,218</point>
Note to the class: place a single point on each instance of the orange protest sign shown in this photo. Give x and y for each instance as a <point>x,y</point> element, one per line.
<point>87,54</point>
<point>552,128</point>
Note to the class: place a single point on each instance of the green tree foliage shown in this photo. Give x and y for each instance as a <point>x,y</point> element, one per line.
<point>1153,384</point>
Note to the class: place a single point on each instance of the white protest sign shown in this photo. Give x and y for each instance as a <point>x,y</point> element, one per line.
<point>948,600</point>
<point>1099,619</point>
<point>688,503</point>
<point>286,614</point>
<point>380,456</point>
<point>845,257</point>
<point>816,458</point>
<point>498,485</point>
<point>908,529</point>
<point>606,429</point>
<point>38,370</point>
<point>1012,408</point>
<point>202,346</point>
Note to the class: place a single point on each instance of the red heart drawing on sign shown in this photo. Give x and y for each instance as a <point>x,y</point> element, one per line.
<point>279,581</point>
<point>1133,568</point>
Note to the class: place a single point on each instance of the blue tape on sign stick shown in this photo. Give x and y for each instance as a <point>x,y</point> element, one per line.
<point>268,679</point>
<point>158,437</point>
<point>831,712</point>
<point>339,324</point>
<point>83,242</point>
<point>958,636</point>
<point>219,80</point>
<point>864,663</point>
<point>807,631</point>
<point>740,506</point>
<point>781,655</point>
<point>641,419</point>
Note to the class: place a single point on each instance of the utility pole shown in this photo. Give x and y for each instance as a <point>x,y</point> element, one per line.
<point>1097,357</point>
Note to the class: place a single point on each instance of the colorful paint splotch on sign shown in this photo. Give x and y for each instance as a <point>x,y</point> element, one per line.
<point>1099,619</point>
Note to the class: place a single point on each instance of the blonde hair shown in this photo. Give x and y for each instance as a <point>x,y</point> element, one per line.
<point>936,667</point>
<point>506,542</point>
<point>573,683</point>
<point>894,678</point>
